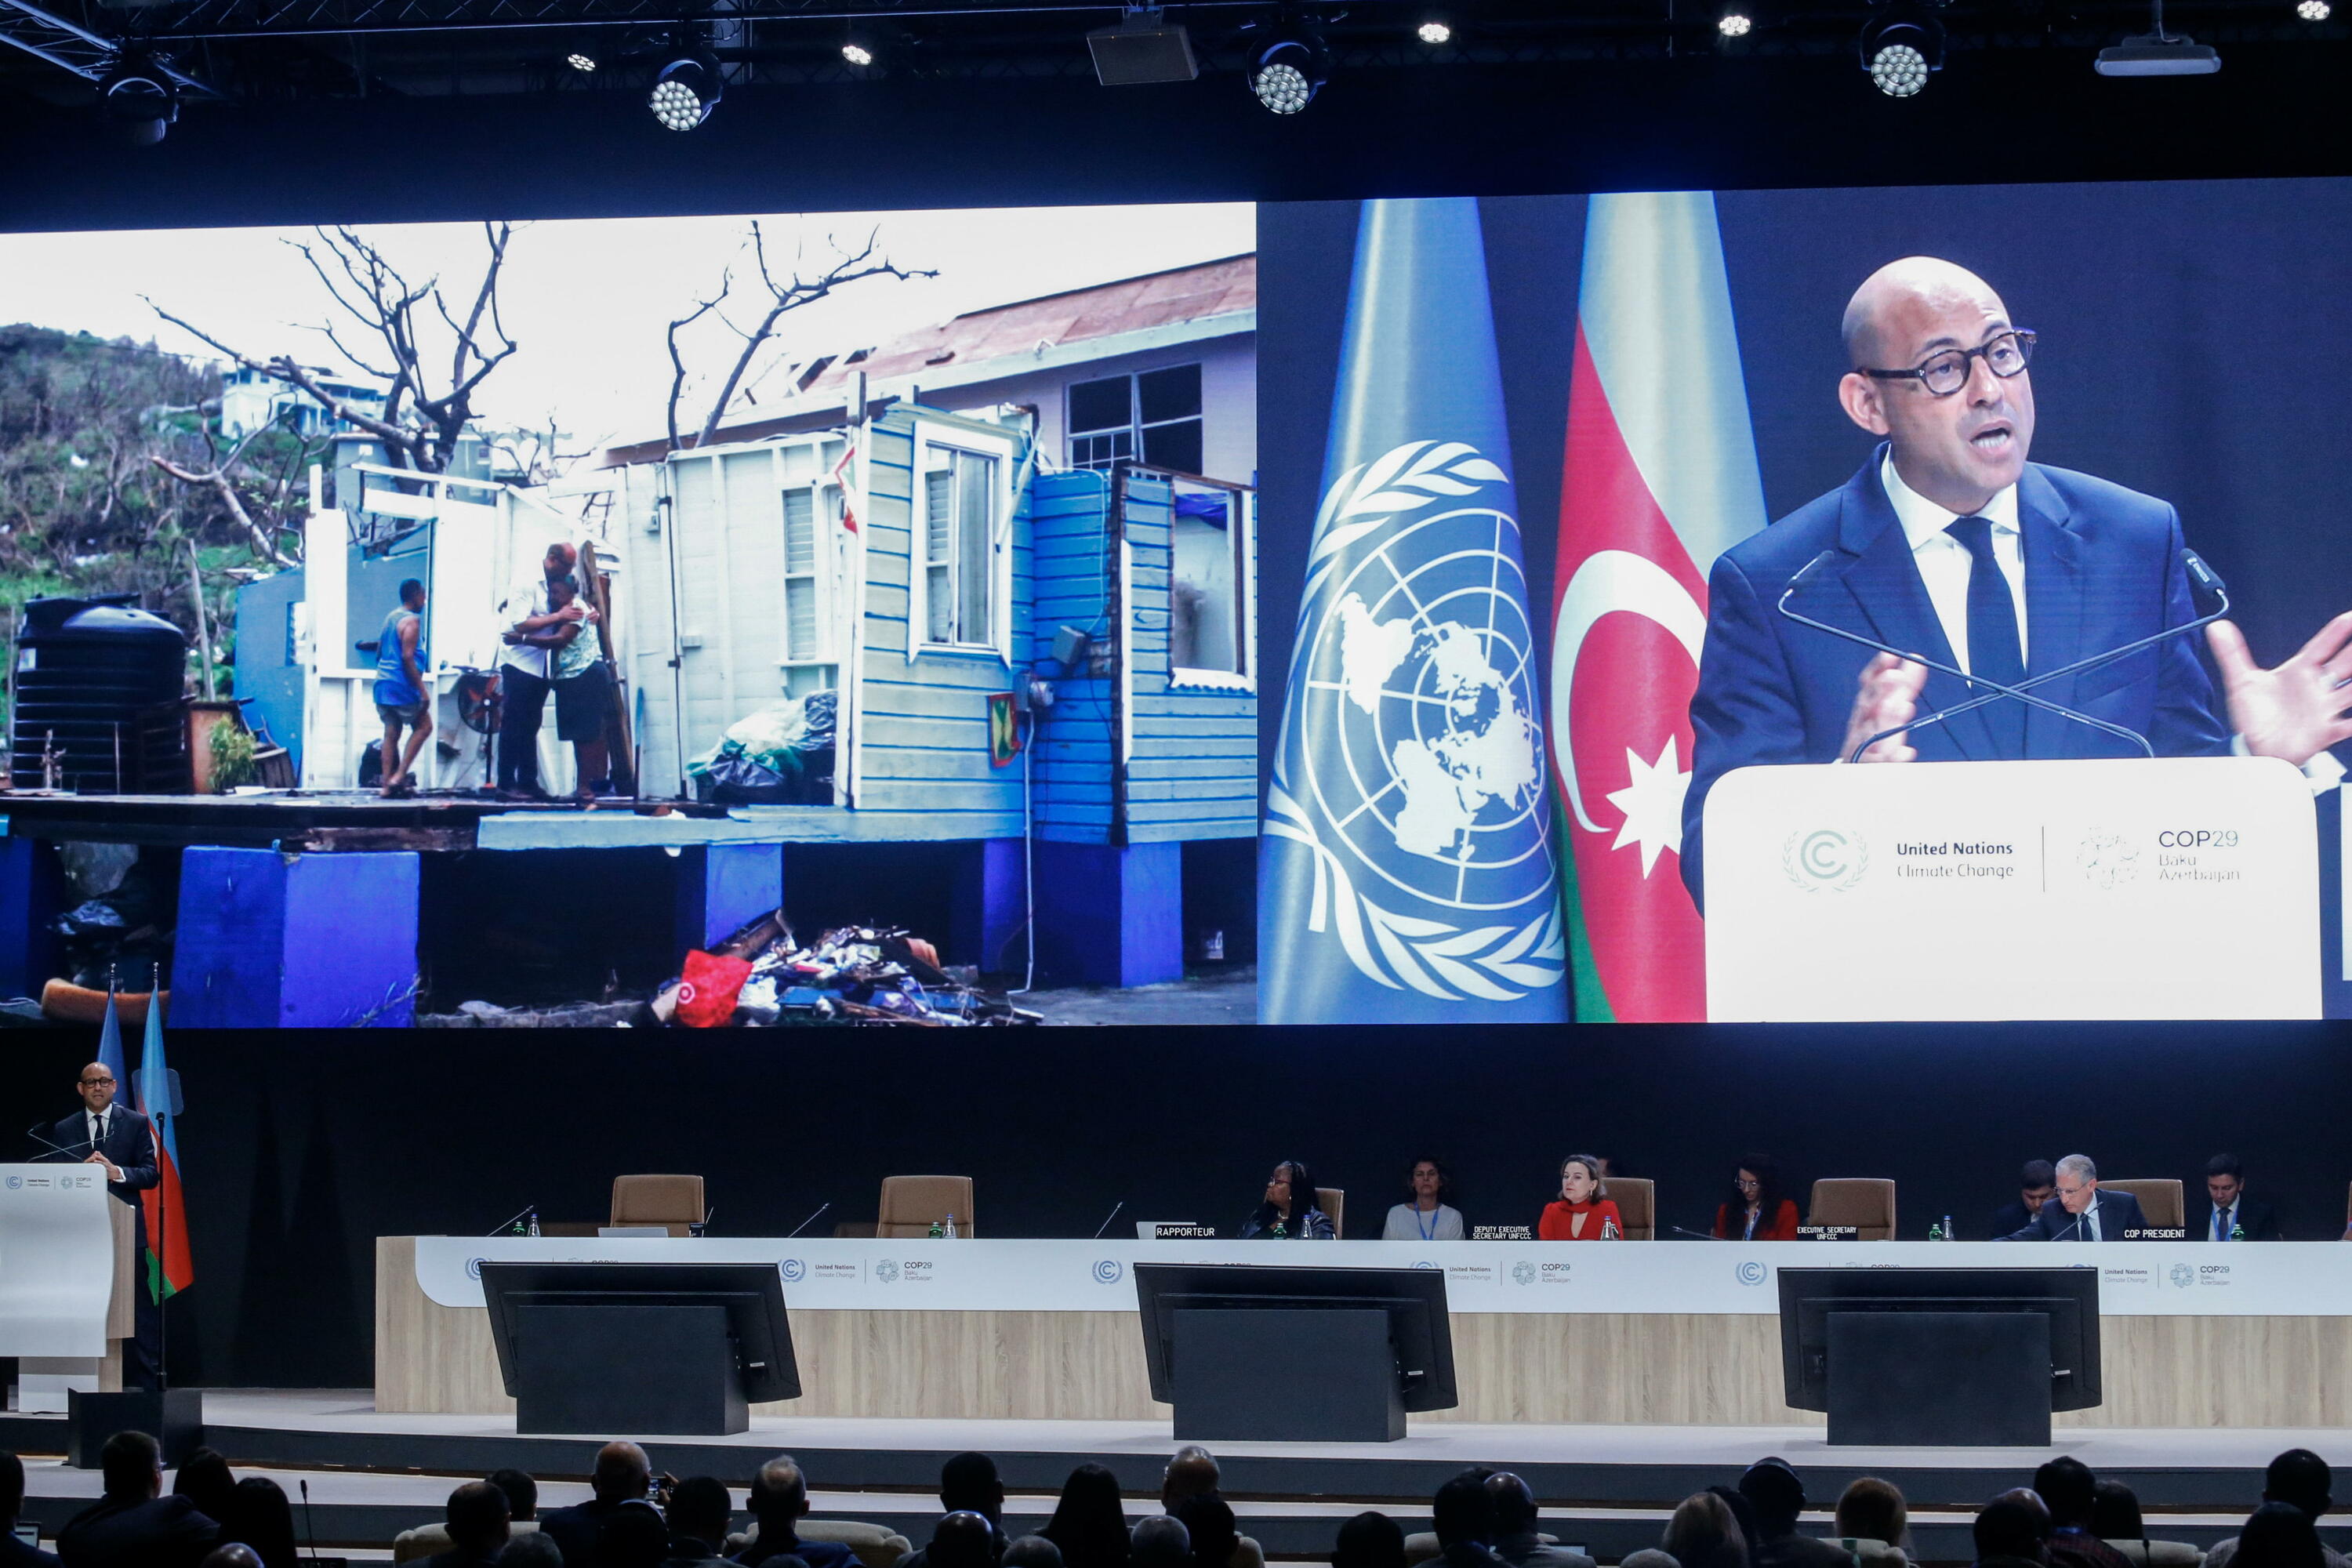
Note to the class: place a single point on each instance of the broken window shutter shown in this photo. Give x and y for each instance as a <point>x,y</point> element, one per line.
<point>939,582</point>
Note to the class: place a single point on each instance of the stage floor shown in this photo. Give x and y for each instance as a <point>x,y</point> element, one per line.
<point>1606,1488</point>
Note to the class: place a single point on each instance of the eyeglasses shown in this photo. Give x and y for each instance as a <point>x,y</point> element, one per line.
<point>1748,1185</point>
<point>1945,373</point>
<point>95,1082</point>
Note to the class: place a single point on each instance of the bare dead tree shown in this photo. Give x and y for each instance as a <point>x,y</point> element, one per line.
<point>782,299</point>
<point>423,416</point>
<point>265,493</point>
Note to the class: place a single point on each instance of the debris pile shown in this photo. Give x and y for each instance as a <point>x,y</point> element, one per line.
<point>778,755</point>
<point>125,932</point>
<point>764,976</point>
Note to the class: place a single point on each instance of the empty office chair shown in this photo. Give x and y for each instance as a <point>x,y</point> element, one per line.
<point>2160,1197</point>
<point>1866,1203</point>
<point>912,1204</point>
<point>672,1201</point>
<point>1333,1201</point>
<point>1637,1200</point>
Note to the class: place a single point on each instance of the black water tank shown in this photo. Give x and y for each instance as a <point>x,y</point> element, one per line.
<point>87,672</point>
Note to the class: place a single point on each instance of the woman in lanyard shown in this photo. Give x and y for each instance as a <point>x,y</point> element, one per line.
<point>1755,1210</point>
<point>1428,1217</point>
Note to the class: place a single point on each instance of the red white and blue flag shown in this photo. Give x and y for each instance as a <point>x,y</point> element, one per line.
<point>156,1090</point>
<point>1660,478</point>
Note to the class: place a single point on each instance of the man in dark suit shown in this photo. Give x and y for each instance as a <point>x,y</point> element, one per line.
<point>779,1502</point>
<point>2080,1212</point>
<point>476,1518</point>
<point>1774,1489</point>
<point>119,1138</point>
<point>16,1554</point>
<point>620,1479</point>
<point>1948,543</point>
<point>133,1525</point>
<point>1515,1540</point>
<point>2035,1183</point>
<point>2231,1215</point>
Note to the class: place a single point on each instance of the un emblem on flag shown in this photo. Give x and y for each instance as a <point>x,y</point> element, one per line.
<point>1414,769</point>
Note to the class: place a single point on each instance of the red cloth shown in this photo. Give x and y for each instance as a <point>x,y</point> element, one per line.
<point>707,989</point>
<point>1558,1222</point>
<point>1782,1226</point>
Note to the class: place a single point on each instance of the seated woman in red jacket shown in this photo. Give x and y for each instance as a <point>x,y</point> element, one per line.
<point>1755,1211</point>
<point>1583,1210</point>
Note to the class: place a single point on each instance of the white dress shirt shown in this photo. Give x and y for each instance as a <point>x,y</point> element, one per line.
<point>2091,1219</point>
<point>1943,563</point>
<point>527,597</point>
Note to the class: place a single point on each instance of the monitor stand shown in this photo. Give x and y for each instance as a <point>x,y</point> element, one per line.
<point>607,1369</point>
<point>1286,1376</point>
<point>1957,1380</point>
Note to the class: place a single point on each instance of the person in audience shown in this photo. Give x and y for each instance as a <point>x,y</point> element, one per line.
<point>700,1512</point>
<point>1464,1521</point>
<point>260,1516</point>
<point>1089,1523</point>
<point>622,1475</point>
<point>1871,1509</point>
<point>779,1502</point>
<point>2231,1215</point>
<point>132,1524</point>
<point>1705,1533</point>
<point>1160,1543</point>
<point>968,1484</point>
<point>1370,1540</point>
<point>2115,1520</point>
<point>1583,1210</point>
<point>205,1480</point>
<point>2279,1535</point>
<point>531,1551</point>
<point>2036,1185</point>
<point>16,1554</point>
<point>1208,1521</point>
<point>1776,1494</point>
<point>965,1538</point>
<point>2299,1479</point>
<point>522,1494</point>
<point>1288,1212</point>
<point>476,1516</point>
<point>634,1536</point>
<point>235,1555</point>
<point>1755,1210</point>
<point>1193,1472</point>
<point>2014,1529</point>
<point>1649,1557</point>
<point>1425,1216</point>
<point>2069,1489</point>
<point>1743,1514</point>
<point>1515,1540</point>
<point>2082,1212</point>
<point>1032,1552</point>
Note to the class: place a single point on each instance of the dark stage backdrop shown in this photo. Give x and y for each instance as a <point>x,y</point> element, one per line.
<point>301,1149</point>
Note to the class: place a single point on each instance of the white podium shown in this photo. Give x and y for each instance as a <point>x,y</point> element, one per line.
<point>2181,888</point>
<point>66,1280</point>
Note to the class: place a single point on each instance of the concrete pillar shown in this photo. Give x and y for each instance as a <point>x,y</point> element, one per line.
<point>990,905</point>
<point>305,941</point>
<point>722,887</point>
<point>1111,916</point>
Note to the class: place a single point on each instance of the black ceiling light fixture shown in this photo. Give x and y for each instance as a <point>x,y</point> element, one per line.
<point>688,85</point>
<point>2159,53</point>
<point>1288,62</point>
<point>1902,43</point>
<point>1141,47</point>
<point>139,96</point>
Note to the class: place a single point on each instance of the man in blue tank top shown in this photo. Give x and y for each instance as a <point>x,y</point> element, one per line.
<point>402,697</point>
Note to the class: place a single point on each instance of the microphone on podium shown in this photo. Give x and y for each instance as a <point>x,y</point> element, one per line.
<point>806,1223</point>
<point>1696,1234</point>
<point>1108,1217</point>
<point>35,1133</point>
<point>1995,688</point>
<point>2204,576</point>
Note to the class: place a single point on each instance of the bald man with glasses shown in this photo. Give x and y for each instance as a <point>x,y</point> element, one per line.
<point>1948,543</point>
<point>104,1132</point>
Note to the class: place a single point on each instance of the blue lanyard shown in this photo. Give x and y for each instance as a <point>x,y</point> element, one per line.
<point>1429,1231</point>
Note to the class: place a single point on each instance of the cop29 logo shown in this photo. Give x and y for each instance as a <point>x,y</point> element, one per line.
<point>1825,860</point>
<point>1524,1272</point>
<point>793,1270</point>
<point>886,1271</point>
<point>1108,1272</point>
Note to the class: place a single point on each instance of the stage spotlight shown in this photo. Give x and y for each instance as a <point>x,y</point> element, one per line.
<point>1901,44</point>
<point>585,64</point>
<point>1436,31</point>
<point>139,97</point>
<point>2313,10</point>
<point>856,54</point>
<point>1288,64</point>
<point>686,87</point>
<point>1735,25</point>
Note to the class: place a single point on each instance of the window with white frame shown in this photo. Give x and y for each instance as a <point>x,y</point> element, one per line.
<point>1211,551</point>
<point>1154,416</point>
<point>963,511</point>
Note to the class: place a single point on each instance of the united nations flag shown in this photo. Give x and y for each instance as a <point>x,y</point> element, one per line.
<point>1407,870</point>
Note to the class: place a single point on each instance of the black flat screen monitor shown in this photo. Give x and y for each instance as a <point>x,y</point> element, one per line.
<point>1415,1299</point>
<point>752,1293</point>
<point>2069,1298</point>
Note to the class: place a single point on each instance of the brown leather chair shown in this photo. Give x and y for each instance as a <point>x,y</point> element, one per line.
<point>1866,1203</point>
<point>1637,1200</point>
<point>672,1201</point>
<point>1333,1201</point>
<point>2160,1197</point>
<point>912,1204</point>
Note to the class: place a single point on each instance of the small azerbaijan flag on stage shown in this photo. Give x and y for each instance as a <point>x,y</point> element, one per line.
<point>156,1090</point>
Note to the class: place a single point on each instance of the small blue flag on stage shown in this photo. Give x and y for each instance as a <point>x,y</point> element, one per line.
<point>1407,872</point>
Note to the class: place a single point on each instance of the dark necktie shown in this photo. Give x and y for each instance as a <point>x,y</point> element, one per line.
<point>1994,648</point>
<point>97,1130</point>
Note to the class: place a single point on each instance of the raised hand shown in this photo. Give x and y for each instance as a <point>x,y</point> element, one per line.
<point>1886,695</point>
<point>2297,710</point>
